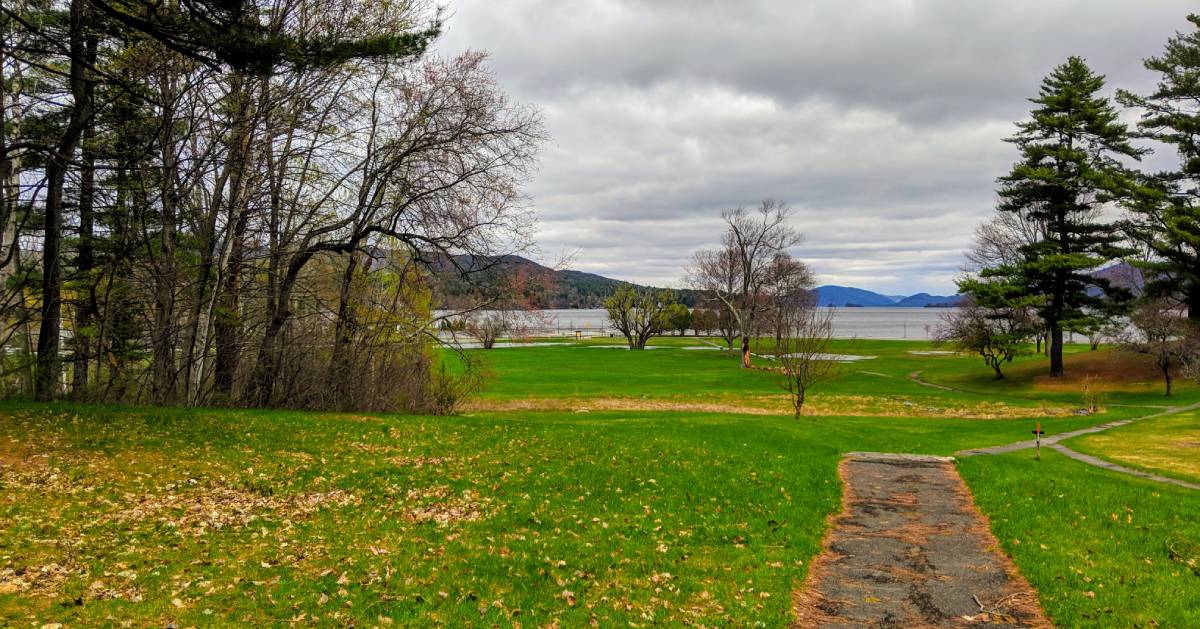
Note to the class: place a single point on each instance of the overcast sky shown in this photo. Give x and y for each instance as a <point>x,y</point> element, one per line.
<point>880,122</point>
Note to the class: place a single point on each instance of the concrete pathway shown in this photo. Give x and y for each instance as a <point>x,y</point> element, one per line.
<point>1052,439</point>
<point>910,550</point>
<point>1091,460</point>
<point>1053,443</point>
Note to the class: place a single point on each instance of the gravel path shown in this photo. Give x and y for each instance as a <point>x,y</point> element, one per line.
<point>910,550</point>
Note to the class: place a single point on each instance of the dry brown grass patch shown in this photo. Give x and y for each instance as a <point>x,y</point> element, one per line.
<point>820,405</point>
<point>1165,444</point>
<point>1111,371</point>
<point>419,461</point>
<point>615,404</point>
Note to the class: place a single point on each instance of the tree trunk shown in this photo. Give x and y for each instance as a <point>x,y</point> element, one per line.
<point>1193,303</point>
<point>340,363</point>
<point>227,326</point>
<point>10,187</point>
<point>49,365</point>
<point>232,183</point>
<point>162,363</point>
<point>1056,350</point>
<point>85,301</point>
<point>745,351</point>
<point>113,340</point>
<point>262,379</point>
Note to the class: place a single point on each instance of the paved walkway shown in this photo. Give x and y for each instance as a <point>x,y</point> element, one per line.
<point>1052,439</point>
<point>1053,443</point>
<point>910,550</point>
<point>1091,460</point>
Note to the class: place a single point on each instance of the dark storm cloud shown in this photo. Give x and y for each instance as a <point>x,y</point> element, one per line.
<point>880,122</point>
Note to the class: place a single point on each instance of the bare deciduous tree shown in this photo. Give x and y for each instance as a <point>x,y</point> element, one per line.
<point>999,240</point>
<point>788,286</point>
<point>996,334</point>
<point>442,156</point>
<point>261,195</point>
<point>1161,332</point>
<point>487,326</point>
<point>802,353</point>
<point>737,274</point>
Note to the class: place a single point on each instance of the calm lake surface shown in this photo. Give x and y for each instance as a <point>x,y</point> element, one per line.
<point>863,323</point>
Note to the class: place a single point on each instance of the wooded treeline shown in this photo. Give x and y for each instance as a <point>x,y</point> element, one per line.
<point>1076,201</point>
<point>240,201</point>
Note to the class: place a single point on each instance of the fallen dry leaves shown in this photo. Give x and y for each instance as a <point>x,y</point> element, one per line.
<point>198,510</point>
<point>442,507</point>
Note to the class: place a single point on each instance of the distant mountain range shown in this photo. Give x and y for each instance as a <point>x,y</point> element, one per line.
<point>848,296</point>
<point>1119,274</point>
<point>554,288</point>
<point>545,288</point>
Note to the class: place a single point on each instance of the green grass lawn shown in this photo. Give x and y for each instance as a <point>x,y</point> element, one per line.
<point>1102,549</point>
<point>599,368</point>
<point>631,517</point>
<point>881,386</point>
<point>254,518</point>
<point>1169,446</point>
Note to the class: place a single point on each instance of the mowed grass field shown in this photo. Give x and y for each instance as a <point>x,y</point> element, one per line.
<point>1169,446</point>
<point>586,486</point>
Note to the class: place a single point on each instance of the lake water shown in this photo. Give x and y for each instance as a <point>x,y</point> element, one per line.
<point>887,323</point>
<point>863,323</point>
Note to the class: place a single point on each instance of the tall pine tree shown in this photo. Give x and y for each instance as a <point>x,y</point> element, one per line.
<point>1166,208</point>
<point>1068,171</point>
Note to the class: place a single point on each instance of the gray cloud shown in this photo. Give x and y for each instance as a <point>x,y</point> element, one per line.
<point>880,122</point>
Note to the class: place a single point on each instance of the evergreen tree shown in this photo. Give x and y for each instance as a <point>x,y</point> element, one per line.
<point>1068,171</point>
<point>1166,208</point>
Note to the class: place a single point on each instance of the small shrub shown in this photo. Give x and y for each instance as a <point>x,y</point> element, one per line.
<point>1092,397</point>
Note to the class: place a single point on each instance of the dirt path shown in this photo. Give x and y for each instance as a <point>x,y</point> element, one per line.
<point>910,550</point>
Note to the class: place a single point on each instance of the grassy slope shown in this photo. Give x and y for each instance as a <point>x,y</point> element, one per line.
<point>736,506</point>
<point>1103,550</point>
<point>1169,446</point>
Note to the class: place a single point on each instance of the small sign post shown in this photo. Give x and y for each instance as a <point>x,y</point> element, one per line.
<point>1037,435</point>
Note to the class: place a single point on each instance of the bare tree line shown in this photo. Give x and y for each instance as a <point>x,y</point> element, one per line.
<point>198,217</point>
